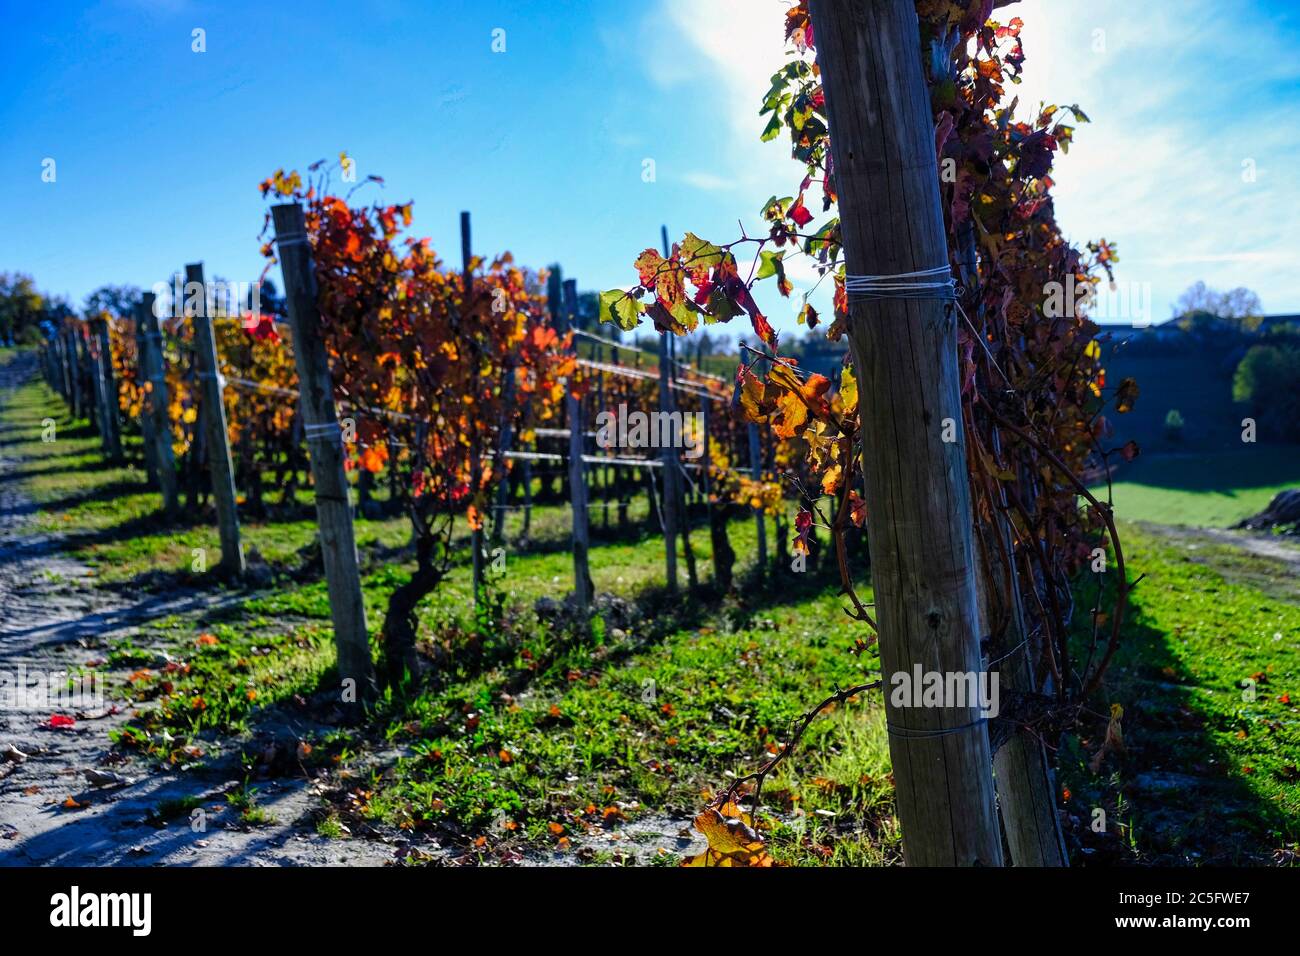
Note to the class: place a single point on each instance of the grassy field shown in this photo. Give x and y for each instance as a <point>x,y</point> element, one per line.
<point>1210,770</point>
<point>1205,489</point>
<point>535,733</point>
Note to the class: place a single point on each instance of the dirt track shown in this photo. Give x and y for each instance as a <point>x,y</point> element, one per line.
<point>52,621</point>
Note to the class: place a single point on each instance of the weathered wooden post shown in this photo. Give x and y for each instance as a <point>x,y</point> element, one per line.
<point>1021,768</point>
<point>724,556</point>
<point>146,421</point>
<point>46,367</point>
<point>904,351</point>
<point>582,586</point>
<point>74,373</point>
<point>47,364</point>
<point>674,477</point>
<point>153,364</point>
<point>325,444</point>
<point>476,451</point>
<point>670,499</point>
<point>220,467</point>
<point>507,433</point>
<point>507,439</point>
<point>85,366</point>
<point>97,404</point>
<point>756,472</point>
<point>114,422</point>
<point>64,375</point>
<point>105,388</point>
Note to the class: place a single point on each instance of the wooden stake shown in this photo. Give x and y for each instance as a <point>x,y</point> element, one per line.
<point>96,411</point>
<point>582,586</point>
<point>760,521</point>
<point>221,469</point>
<point>146,420</point>
<point>325,444</point>
<point>905,355</point>
<point>74,365</point>
<point>476,463</point>
<point>153,364</point>
<point>108,386</point>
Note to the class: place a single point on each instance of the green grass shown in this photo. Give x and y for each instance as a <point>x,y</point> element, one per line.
<point>1204,489</point>
<point>1210,773</point>
<point>558,740</point>
<point>537,734</point>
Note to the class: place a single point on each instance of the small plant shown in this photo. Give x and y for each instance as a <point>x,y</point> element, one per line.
<point>175,807</point>
<point>1174,425</point>
<point>330,827</point>
<point>244,800</point>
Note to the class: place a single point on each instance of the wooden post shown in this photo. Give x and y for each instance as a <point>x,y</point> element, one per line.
<point>110,389</point>
<point>107,388</point>
<point>74,371</point>
<point>670,499</point>
<point>760,521</point>
<point>724,556</point>
<point>85,364</point>
<point>582,586</point>
<point>98,403</point>
<point>1022,771</point>
<point>476,464</point>
<point>325,444</point>
<point>672,463</point>
<point>507,439</point>
<point>65,370</point>
<point>146,420</point>
<point>528,499</point>
<point>905,354</point>
<point>153,364</point>
<point>220,467</point>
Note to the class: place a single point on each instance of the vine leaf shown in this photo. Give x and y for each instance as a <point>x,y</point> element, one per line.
<point>733,841</point>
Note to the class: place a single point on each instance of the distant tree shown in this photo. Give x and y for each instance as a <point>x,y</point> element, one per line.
<point>1174,425</point>
<point>269,299</point>
<point>113,299</point>
<point>1200,306</point>
<point>21,307</point>
<point>1268,381</point>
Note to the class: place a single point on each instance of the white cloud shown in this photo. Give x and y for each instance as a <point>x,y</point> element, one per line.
<point>742,43</point>
<point>1178,99</point>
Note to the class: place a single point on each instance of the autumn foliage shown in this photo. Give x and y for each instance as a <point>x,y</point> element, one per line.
<point>1032,386</point>
<point>420,357</point>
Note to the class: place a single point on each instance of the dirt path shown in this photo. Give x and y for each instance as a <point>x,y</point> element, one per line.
<point>52,622</point>
<point>1257,558</point>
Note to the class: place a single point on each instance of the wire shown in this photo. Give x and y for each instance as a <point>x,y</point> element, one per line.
<point>936,283</point>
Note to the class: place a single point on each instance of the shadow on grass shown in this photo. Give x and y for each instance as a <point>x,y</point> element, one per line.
<point>1174,785</point>
<point>91,466</point>
<point>1251,466</point>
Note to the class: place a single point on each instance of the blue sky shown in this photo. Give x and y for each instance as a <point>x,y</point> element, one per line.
<point>159,149</point>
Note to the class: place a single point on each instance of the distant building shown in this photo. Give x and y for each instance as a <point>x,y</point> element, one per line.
<point>1125,332</point>
<point>1201,323</point>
